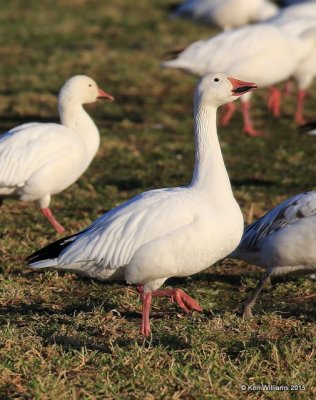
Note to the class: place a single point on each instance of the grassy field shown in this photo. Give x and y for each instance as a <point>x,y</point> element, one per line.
<point>64,337</point>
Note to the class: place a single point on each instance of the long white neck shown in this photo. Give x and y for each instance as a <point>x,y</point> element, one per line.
<point>210,173</point>
<point>74,116</point>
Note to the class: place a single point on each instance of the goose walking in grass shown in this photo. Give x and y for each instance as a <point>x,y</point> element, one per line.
<point>263,53</point>
<point>164,233</point>
<point>282,241</point>
<point>227,14</point>
<point>38,160</point>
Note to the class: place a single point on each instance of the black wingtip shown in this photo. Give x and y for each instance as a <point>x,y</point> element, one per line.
<point>50,251</point>
<point>307,127</point>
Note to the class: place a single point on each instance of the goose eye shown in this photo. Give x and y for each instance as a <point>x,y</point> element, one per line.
<point>216,79</point>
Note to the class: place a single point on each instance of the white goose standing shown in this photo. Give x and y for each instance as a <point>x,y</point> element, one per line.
<point>282,241</point>
<point>165,232</point>
<point>41,159</point>
<point>263,53</point>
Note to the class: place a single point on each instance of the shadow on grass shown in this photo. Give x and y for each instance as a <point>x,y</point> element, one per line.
<point>234,280</point>
<point>287,309</point>
<point>171,342</point>
<point>168,342</point>
<point>303,312</point>
<point>50,331</point>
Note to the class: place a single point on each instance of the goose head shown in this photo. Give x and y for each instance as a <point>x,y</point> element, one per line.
<point>82,89</point>
<point>218,89</point>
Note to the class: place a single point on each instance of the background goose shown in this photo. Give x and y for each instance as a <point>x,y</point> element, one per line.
<point>165,232</point>
<point>263,53</point>
<point>227,14</point>
<point>41,159</point>
<point>282,241</point>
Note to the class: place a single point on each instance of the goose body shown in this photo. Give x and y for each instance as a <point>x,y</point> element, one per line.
<point>263,53</point>
<point>282,241</point>
<point>38,160</point>
<point>227,14</point>
<point>165,232</point>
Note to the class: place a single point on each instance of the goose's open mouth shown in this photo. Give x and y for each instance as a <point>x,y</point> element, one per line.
<point>241,87</point>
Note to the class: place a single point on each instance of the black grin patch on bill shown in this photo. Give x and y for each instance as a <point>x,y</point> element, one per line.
<point>243,89</point>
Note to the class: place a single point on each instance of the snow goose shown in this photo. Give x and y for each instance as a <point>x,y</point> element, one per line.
<point>262,53</point>
<point>227,14</point>
<point>41,159</point>
<point>282,241</point>
<point>165,232</point>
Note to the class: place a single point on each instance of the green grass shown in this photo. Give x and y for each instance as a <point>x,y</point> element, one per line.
<point>64,337</point>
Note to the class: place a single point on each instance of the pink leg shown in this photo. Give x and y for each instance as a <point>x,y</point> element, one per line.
<point>145,326</point>
<point>301,95</point>
<point>274,101</point>
<point>53,221</point>
<point>184,301</point>
<point>248,127</point>
<point>229,110</point>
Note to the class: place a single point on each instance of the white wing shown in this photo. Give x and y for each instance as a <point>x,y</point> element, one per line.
<point>28,147</point>
<point>112,239</point>
<point>228,50</point>
<point>238,53</point>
